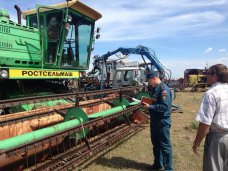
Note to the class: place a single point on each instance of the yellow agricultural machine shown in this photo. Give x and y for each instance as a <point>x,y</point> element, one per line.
<point>44,125</point>
<point>195,79</point>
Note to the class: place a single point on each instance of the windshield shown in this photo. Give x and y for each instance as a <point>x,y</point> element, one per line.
<point>77,43</point>
<point>118,77</point>
<point>128,76</point>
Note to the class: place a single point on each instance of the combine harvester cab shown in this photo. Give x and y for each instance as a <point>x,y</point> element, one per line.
<point>43,129</point>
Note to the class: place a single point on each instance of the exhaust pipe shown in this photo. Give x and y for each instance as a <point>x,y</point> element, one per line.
<point>18,13</point>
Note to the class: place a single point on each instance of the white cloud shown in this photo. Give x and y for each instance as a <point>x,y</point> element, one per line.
<point>148,19</point>
<point>143,27</point>
<point>222,50</point>
<point>208,50</point>
<point>224,58</point>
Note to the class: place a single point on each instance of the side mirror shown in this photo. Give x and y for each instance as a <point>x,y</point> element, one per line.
<point>98,36</point>
<point>69,18</point>
<point>98,29</point>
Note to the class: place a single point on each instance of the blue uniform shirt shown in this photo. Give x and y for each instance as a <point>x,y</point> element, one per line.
<point>162,95</point>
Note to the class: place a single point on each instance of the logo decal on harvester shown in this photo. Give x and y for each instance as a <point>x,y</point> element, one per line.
<point>27,74</point>
<point>46,73</point>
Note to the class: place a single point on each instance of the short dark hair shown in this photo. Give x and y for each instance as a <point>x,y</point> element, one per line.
<point>221,71</point>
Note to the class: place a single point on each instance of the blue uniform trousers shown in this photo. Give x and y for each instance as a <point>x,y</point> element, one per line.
<point>160,138</point>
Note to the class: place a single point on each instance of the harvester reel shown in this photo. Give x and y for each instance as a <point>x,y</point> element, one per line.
<point>120,102</point>
<point>77,113</point>
<point>72,140</point>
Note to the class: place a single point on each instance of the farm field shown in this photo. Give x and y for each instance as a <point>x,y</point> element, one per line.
<point>136,152</point>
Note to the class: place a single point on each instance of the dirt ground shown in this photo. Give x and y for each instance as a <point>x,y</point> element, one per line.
<point>136,152</point>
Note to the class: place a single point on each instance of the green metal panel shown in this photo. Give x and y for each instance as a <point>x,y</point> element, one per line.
<point>19,46</point>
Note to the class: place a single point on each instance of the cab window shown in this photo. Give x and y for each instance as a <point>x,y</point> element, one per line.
<point>77,43</point>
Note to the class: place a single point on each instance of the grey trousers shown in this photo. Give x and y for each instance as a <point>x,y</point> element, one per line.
<point>216,152</point>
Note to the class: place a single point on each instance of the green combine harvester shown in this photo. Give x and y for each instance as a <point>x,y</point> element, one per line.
<point>47,54</point>
<point>41,57</point>
<point>45,125</point>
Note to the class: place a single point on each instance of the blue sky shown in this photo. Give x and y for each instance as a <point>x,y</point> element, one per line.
<point>183,33</point>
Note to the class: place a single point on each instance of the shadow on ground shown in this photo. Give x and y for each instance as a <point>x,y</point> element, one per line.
<point>121,163</point>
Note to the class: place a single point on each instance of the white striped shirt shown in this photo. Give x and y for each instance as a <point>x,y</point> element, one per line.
<point>214,108</point>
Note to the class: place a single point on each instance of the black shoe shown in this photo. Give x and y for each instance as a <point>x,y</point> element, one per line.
<point>155,168</point>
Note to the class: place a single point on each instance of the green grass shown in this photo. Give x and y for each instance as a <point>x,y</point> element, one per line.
<point>193,126</point>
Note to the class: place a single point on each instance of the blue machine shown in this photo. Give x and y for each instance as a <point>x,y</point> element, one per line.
<point>139,50</point>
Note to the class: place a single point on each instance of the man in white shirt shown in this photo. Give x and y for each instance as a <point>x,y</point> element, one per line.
<point>213,121</point>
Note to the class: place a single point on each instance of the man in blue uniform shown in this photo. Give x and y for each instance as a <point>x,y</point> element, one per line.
<point>160,122</point>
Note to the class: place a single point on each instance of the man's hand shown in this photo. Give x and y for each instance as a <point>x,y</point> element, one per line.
<point>195,148</point>
<point>201,133</point>
<point>146,105</point>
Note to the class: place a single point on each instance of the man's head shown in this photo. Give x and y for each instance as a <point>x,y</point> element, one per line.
<point>52,22</point>
<point>217,73</point>
<point>153,78</point>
